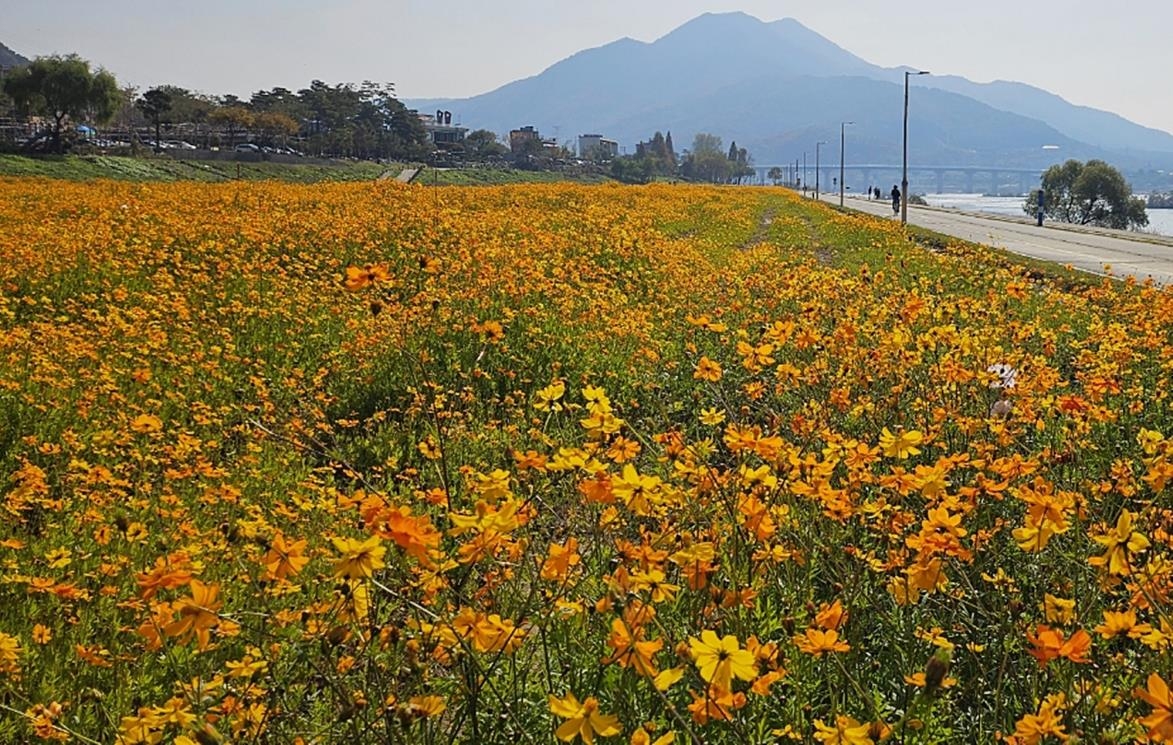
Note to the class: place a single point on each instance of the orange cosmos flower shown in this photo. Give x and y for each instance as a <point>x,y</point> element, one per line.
<point>357,278</point>
<point>1050,644</point>
<point>717,704</point>
<point>285,558</point>
<point>707,369</point>
<point>197,614</point>
<point>1160,721</point>
<point>817,641</point>
<point>631,649</point>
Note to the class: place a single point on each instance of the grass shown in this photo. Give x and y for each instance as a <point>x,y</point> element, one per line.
<point>373,463</point>
<point>120,168</point>
<point>502,177</point>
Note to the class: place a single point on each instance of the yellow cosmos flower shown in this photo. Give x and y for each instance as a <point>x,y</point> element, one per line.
<point>902,445</point>
<point>707,369</point>
<point>844,731</point>
<point>1120,543</point>
<point>721,659</point>
<point>712,417</point>
<point>359,559</point>
<point>583,720</point>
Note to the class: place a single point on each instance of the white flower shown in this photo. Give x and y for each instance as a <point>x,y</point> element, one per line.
<point>1007,375</point>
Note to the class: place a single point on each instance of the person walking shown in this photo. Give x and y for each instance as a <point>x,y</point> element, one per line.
<point>895,200</point>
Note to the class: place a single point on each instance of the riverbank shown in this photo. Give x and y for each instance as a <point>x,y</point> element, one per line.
<point>1160,220</point>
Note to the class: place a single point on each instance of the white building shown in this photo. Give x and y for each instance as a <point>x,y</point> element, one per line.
<point>597,147</point>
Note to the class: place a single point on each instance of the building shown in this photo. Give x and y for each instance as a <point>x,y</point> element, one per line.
<point>597,147</point>
<point>519,139</point>
<point>441,132</point>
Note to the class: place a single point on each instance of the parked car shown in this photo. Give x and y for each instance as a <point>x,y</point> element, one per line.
<point>247,147</point>
<point>180,145</point>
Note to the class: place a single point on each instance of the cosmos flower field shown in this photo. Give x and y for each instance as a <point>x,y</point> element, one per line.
<point>389,464</point>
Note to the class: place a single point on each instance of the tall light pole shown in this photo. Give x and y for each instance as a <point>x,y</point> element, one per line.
<point>804,174</point>
<point>904,176</point>
<point>842,142</point>
<point>817,146</point>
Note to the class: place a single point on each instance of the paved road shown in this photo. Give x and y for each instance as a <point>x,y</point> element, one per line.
<point>1128,254</point>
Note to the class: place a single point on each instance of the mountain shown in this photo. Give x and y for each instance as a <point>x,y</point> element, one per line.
<point>1101,128</point>
<point>9,58</point>
<point>778,87</point>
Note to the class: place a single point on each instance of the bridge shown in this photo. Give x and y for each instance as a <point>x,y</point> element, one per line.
<point>992,178</point>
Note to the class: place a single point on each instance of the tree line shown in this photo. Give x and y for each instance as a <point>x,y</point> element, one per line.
<point>707,161</point>
<point>341,120</point>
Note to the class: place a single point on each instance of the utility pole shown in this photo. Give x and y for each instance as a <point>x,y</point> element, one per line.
<point>817,146</point>
<point>904,177</point>
<point>842,142</point>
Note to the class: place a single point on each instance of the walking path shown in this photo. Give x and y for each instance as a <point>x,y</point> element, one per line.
<point>1093,250</point>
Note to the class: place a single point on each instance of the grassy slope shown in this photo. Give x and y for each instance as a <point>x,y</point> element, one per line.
<point>83,168</point>
<point>87,167</point>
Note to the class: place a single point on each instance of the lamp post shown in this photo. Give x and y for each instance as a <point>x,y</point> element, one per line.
<point>842,142</point>
<point>904,172</point>
<point>817,146</point>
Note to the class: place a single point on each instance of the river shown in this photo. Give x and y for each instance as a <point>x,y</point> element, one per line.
<point>1160,221</point>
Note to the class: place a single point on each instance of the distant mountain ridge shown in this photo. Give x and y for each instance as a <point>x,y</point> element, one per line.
<point>9,58</point>
<point>778,87</point>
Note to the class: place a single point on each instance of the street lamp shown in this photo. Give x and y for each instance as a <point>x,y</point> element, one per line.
<point>904,176</point>
<point>817,146</point>
<point>842,142</point>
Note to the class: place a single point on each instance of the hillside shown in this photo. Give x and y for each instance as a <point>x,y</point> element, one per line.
<point>9,58</point>
<point>766,84</point>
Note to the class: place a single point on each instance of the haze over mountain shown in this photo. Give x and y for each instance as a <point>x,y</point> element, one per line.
<point>777,88</point>
<point>9,58</point>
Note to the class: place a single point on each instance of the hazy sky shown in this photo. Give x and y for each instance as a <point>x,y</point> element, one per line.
<point>1110,55</point>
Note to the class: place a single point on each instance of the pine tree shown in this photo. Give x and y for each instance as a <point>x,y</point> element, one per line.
<point>658,146</point>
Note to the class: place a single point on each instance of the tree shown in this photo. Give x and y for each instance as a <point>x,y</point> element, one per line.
<point>232,119</point>
<point>1092,193</point>
<point>482,143</point>
<point>63,88</point>
<point>365,121</point>
<point>707,161</point>
<point>775,175</point>
<point>276,125</point>
<point>706,144</point>
<point>638,170</point>
<point>154,104</point>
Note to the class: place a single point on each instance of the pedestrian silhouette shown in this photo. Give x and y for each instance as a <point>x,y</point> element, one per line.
<point>895,200</point>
